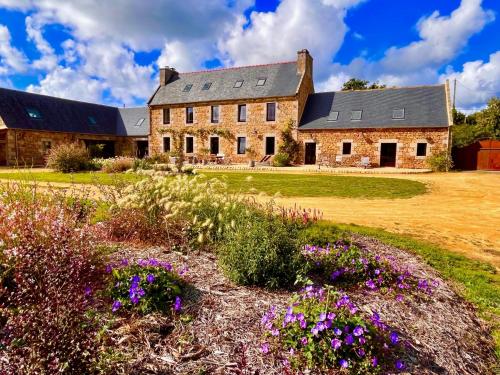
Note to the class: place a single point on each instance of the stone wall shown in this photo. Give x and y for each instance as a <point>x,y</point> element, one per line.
<point>255,129</point>
<point>26,147</point>
<point>366,143</point>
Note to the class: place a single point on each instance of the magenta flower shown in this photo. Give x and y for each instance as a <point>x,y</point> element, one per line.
<point>303,341</point>
<point>177,304</point>
<point>370,284</point>
<point>303,324</point>
<point>264,348</point>
<point>336,343</point>
<point>374,362</point>
<point>358,331</point>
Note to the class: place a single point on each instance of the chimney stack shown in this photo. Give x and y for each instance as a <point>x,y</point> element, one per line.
<point>304,63</point>
<point>166,73</point>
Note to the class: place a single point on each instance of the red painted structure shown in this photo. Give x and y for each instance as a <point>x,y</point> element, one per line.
<point>482,155</point>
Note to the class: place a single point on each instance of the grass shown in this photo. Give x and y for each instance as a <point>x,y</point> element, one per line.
<point>289,185</point>
<point>307,185</point>
<point>478,282</point>
<point>76,178</point>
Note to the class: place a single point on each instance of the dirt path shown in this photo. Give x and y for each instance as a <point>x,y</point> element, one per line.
<point>460,212</point>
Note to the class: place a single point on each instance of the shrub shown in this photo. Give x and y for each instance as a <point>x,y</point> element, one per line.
<point>95,164</point>
<point>323,330</point>
<point>440,162</point>
<point>68,157</point>
<point>143,164</point>
<point>288,147</point>
<point>161,158</point>
<point>147,286</point>
<point>118,164</point>
<point>54,267</point>
<point>346,264</point>
<point>281,160</point>
<point>261,250</point>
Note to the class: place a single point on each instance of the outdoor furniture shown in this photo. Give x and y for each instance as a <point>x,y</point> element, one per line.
<point>365,162</point>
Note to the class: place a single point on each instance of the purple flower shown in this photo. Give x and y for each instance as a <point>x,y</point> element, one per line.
<point>88,291</point>
<point>362,340</point>
<point>349,340</point>
<point>275,332</point>
<point>178,304</point>
<point>370,284</point>
<point>399,298</point>
<point>377,272</point>
<point>166,266</point>
<point>358,331</point>
<point>150,278</point>
<point>322,317</point>
<point>153,262</point>
<point>343,363</point>
<point>361,352</point>
<point>337,331</point>
<point>303,324</point>
<point>134,299</point>
<point>328,324</point>
<point>374,362</point>
<point>399,364</point>
<point>124,262</point>
<point>300,316</point>
<point>314,331</point>
<point>109,268</point>
<point>135,279</point>
<point>331,316</point>
<point>116,305</point>
<point>264,348</point>
<point>394,337</point>
<point>303,341</point>
<point>336,343</point>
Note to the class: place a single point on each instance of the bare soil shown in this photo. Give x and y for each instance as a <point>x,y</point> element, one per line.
<point>221,332</point>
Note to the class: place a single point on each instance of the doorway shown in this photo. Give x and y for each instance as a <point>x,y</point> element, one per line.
<point>310,154</point>
<point>3,154</point>
<point>270,145</point>
<point>214,145</point>
<point>142,149</point>
<point>388,154</point>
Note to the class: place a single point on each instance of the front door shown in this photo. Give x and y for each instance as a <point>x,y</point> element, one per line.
<point>3,154</point>
<point>310,157</point>
<point>270,141</point>
<point>388,154</point>
<point>214,145</point>
<point>142,149</point>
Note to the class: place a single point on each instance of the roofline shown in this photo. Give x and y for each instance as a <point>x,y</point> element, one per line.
<point>301,128</point>
<point>68,132</point>
<point>58,98</point>
<point>382,89</point>
<point>238,67</point>
<point>223,100</point>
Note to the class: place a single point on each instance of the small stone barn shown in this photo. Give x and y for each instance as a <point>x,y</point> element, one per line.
<point>31,124</point>
<point>392,127</point>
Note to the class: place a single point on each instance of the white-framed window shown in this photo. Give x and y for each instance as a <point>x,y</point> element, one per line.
<point>241,145</point>
<point>166,116</point>
<point>214,114</point>
<point>242,112</point>
<point>189,115</point>
<point>346,148</point>
<point>271,111</point>
<point>422,149</point>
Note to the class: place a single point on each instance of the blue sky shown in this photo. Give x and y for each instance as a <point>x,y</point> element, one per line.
<point>109,52</point>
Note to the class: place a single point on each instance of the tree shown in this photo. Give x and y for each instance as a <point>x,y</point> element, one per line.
<point>459,118</point>
<point>489,118</point>
<point>359,84</point>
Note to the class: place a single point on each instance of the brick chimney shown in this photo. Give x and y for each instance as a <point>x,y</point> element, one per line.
<point>166,73</point>
<point>304,63</point>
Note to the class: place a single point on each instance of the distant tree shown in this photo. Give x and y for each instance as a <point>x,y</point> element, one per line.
<point>359,84</point>
<point>489,118</point>
<point>458,117</point>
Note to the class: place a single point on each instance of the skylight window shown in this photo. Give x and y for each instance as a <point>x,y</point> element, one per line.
<point>206,86</point>
<point>238,84</point>
<point>91,120</point>
<point>398,114</point>
<point>187,88</point>
<point>261,81</point>
<point>333,116</point>
<point>34,113</point>
<point>356,115</point>
<point>139,123</point>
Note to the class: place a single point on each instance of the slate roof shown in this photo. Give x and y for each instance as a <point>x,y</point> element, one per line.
<point>282,79</point>
<point>424,106</point>
<point>128,122</point>
<point>63,115</point>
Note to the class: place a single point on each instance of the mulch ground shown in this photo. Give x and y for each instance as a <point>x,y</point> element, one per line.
<point>220,333</point>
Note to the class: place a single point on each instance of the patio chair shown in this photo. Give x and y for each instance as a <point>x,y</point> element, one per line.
<point>365,162</point>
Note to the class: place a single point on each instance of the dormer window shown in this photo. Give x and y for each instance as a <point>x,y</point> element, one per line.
<point>187,88</point>
<point>261,81</point>
<point>356,115</point>
<point>398,114</point>
<point>238,84</point>
<point>206,86</point>
<point>333,116</point>
<point>34,113</point>
<point>139,123</point>
<point>91,120</point>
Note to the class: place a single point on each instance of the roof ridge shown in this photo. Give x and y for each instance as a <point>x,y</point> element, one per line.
<point>238,67</point>
<point>384,88</point>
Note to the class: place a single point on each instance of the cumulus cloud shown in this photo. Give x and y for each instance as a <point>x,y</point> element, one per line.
<point>34,30</point>
<point>12,60</point>
<point>296,24</point>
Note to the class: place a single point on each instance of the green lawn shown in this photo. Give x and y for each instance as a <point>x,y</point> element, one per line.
<point>310,185</point>
<point>304,185</point>
<point>477,281</point>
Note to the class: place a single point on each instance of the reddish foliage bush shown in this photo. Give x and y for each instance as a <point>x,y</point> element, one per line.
<point>50,267</point>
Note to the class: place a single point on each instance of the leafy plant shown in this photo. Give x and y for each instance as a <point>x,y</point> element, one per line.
<point>440,162</point>
<point>322,330</point>
<point>146,286</point>
<point>143,164</point>
<point>281,160</point>
<point>69,157</point>
<point>118,164</point>
<point>288,148</point>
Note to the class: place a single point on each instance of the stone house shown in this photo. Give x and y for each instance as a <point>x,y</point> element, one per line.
<point>31,124</point>
<point>231,111</point>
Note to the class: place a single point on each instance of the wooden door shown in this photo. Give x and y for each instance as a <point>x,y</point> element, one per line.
<point>310,154</point>
<point>3,154</point>
<point>388,154</point>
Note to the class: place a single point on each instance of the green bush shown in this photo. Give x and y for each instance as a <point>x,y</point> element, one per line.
<point>143,164</point>
<point>118,164</point>
<point>261,250</point>
<point>69,157</point>
<point>281,159</point>
<point>321,234</point>
<point>440,162</point>
<point>145,287</point>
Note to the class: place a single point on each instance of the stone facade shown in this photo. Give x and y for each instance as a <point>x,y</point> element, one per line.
<point>29,148</point>
<point>367,143</point>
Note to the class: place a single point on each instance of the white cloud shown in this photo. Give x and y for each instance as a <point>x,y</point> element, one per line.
<point>34,29</point>
<point>296,24</point>
<point>11,59</point>
<point>477,82</point>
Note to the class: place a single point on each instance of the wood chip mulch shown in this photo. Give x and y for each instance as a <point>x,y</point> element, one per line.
<point>219,331</point>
